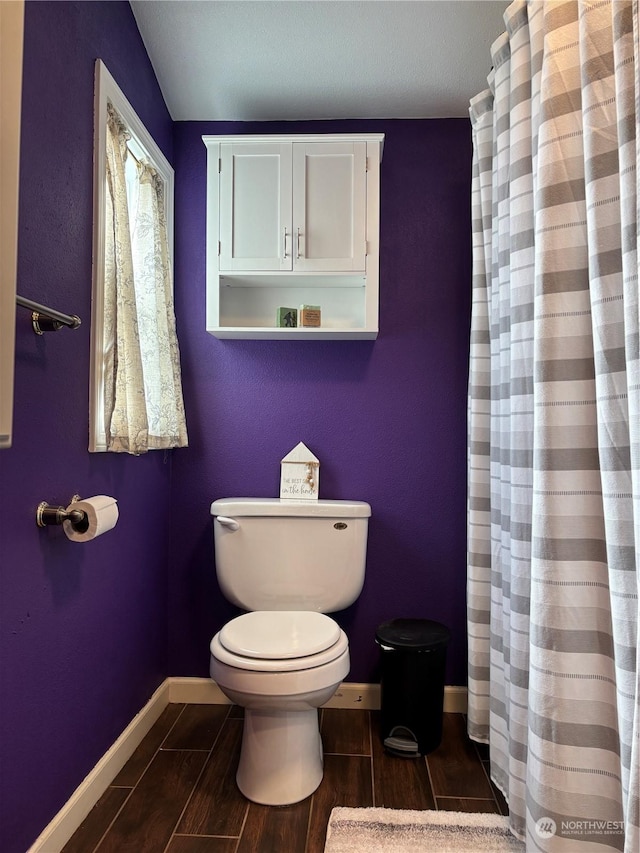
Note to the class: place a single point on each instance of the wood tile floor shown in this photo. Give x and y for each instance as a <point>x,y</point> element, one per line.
<point>177,793</point>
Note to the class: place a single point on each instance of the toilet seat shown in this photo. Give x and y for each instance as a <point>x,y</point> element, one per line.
<point>279,634</point>
<point>279,641</point>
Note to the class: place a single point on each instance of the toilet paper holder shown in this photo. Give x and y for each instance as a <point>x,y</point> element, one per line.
<point>48,514</point>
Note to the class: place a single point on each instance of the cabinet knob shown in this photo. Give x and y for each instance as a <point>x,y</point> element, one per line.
<point>298,235</point>
<point>284,242</point>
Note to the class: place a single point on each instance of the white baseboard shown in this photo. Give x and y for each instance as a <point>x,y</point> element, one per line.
<point>189,691</point>
<point>455,700</point>
<point>196,691</point>
<point>348,695</point>
<point>367,698</point>
<point>54,836</point>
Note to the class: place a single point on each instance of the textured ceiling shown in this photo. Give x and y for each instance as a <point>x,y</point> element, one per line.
<point>319,59</point>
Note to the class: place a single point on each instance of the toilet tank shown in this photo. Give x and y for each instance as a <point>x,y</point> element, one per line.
<point>285,555</point>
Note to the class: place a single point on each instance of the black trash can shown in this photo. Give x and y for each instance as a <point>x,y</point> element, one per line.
<point>413,657</point>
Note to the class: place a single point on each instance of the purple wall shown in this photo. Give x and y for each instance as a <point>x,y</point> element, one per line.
<point>387,419</point>
<point>82,627</point>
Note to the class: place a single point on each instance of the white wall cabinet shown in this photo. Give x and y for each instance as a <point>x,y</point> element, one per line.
<point>291,221</point>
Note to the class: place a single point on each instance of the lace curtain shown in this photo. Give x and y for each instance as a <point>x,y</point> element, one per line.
<point>143,403</point>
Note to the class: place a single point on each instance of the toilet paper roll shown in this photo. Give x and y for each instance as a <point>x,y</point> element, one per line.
<point>101,515</point>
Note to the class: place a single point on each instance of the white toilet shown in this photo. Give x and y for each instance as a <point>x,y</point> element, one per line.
<point>288,563</point>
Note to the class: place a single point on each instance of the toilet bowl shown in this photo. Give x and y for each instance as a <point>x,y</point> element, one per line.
<point>288,563</point>
<point>280,667</point>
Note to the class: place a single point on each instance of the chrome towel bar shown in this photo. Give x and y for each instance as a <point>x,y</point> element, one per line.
<point>46,319</point>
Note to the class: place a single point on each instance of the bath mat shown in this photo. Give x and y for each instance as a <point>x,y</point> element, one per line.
<point>400,831</point>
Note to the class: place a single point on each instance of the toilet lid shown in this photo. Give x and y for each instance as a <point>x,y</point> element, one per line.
<point>279,635</point>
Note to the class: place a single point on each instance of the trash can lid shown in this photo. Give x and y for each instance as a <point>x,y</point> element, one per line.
<point>412,634</point>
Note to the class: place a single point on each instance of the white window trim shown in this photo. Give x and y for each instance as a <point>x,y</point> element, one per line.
<point>11,42</point>
<point>106,89</point>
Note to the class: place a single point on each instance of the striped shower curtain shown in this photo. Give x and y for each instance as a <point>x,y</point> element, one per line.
<point>554,424</point>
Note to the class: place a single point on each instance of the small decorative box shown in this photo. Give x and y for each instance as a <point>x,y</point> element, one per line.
<point>287,318</point>
<point>310,315</point>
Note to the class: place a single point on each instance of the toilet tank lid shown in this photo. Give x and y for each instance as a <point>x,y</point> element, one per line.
<point>275,506</point>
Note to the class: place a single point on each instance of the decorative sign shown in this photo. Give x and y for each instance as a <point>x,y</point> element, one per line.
<point>287,318</point>
<point>310,315</point>
<point>299,475</point>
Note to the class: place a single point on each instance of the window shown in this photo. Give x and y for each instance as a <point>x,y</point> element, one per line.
<point>135,390</point>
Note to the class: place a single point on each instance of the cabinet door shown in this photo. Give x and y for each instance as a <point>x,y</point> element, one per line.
<point>255,206</point>
<point>329,206</point>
